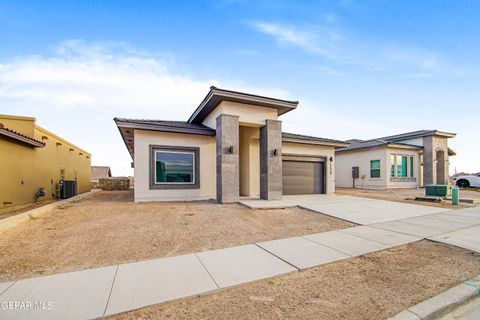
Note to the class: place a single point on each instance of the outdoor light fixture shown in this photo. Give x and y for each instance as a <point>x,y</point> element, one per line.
<point>275,152</point>
<point>230,149</point>
<point>331,159</point>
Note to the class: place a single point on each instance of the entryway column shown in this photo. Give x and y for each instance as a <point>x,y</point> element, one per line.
<point>271,160</point>
<point>228,172</point>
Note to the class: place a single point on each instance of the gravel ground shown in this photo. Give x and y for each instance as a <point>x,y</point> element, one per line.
<point>408,196</point>
<point>374,286</point>
<point>108,228</point>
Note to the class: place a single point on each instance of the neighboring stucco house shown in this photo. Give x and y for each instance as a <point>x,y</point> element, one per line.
<point>33,159</point>
<point>232,146</point>
<point>407,160</point>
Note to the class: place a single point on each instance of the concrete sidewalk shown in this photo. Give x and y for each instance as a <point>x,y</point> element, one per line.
<point>98,292</point>
<point>104,291</point>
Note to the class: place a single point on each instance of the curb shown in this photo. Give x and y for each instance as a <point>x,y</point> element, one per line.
<point>433,307</point>
<point>12,221</point>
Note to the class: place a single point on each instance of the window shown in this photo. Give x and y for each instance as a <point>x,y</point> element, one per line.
<point>402,166</point>
<point>392,165</point>
<point>375,169</point>
<point>174,167</point>
<point>412,169</point>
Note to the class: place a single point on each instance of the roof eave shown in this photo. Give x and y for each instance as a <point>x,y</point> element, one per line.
<point>19,138</point>
<point>362,148</point>
<point>314,142</point>
<point>404,146</point>
<point>445,134</point>
<point>216,95</point>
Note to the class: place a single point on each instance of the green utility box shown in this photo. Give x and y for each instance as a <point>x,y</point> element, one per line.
<point>436,190</point>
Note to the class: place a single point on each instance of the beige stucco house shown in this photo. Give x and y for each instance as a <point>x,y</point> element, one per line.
<point>407,160</point>
<point>232,146</point>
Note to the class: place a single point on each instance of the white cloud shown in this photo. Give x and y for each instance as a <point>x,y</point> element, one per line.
<point>313,39</point>
<point>335,46</point>
<point>78,90</point>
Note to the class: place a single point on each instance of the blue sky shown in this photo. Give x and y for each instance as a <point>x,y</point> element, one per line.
<point>360,69</point>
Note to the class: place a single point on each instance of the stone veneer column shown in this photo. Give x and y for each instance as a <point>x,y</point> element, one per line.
<point>429,168</point>
<point>228,170</point>
<point>271,164</point>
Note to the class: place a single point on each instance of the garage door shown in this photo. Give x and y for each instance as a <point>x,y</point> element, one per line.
<point>303,177</point>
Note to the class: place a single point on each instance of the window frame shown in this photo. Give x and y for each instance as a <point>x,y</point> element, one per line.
<point>379,169</point>
<point>154,185</point>
<point>393,165</point>
<point>411,164</point>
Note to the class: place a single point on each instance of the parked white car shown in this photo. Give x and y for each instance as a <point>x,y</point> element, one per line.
<point>467,181</point>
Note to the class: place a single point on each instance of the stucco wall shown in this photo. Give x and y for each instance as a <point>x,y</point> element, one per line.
<point>248,115</point>
<point>324,151</point>
<point>24,169</point>
<point>345,162</point>
<point>207,145</point>
<point>362,158</point>
<point>249,162</point>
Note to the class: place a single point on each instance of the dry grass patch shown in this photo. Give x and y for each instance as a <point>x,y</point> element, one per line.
<point>108,228</point>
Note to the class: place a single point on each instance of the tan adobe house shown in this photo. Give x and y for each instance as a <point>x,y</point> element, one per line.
<point>232,146</point>
<point>36,164</point>
<point>407,160</point>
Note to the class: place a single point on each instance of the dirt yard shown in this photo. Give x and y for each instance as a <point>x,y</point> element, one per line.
<point>26,208</point>
<point>374,286</point>
<point>108,228</point>
<point>407,195</point>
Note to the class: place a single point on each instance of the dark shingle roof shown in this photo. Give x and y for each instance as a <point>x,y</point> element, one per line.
<point>374,143</point>
<point>414,134</point>
<point>301,137</point>
<point>165,125</point>
<point>359,144</point>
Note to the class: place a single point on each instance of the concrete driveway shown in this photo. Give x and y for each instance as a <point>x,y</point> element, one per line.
<point>363,211</point>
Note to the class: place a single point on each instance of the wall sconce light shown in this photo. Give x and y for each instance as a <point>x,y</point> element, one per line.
<point>230,150</point>
<point>275,152</point>
<point>331,159</point>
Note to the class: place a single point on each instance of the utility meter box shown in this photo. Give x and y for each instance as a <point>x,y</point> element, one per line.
<point>355,172</point>
<point>436,190</point>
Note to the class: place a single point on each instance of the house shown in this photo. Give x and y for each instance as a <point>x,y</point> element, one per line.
<point>232,146</point>
<point>97,173</point>
<point>33,161</point>
<point>407,160</point>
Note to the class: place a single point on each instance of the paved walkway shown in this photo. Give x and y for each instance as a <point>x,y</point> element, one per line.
<point>363,211</point>
<point>97,292</point>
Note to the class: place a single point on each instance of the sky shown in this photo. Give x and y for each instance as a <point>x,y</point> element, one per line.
<point>360,69</point>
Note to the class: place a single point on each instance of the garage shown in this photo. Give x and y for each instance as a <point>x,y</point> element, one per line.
<point>303,175</point>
